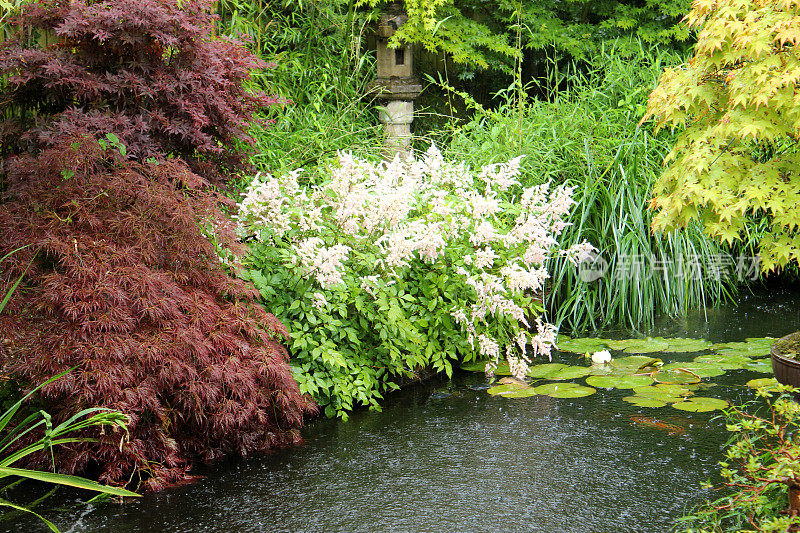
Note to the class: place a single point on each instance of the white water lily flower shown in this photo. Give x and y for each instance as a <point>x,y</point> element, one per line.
<point>602,357</point>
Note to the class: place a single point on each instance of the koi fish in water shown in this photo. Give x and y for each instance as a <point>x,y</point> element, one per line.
<point>513,381</point>
<point>672,429</point>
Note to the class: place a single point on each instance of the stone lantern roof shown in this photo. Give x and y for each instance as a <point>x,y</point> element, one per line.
<point>395,80</point>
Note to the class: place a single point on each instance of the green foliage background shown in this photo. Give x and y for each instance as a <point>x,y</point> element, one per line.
<point>494,34</point>
<point>321,70</point>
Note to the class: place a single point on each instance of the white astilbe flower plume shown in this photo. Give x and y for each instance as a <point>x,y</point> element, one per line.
<point>387,229</point>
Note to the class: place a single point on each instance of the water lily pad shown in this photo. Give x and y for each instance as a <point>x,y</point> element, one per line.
<point>690,368</point>
<point>502,390</point>
<point>654,393</point>
<point>545,370</point>
<point>578,391</point>
<point>700,405</point>
<point>570,372</point>
<point>549,388</point>
<point>480,366</point>
<point>663,388</point>
<point>605,382</point>
<point>723,361</point>
<point>752,347</point>
<point>618,382</point>
<point>564,390</point>
<point>643,401</point>
<point>764,341</point>
<point>764,366</point>
<point>678,377</point>
<point>636,362</point>
<point>762,382</point>
<point>582,346</point>
<point>687,345</point>
<point>648,345</point>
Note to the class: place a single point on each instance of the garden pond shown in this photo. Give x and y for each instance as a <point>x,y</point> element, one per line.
<point>446,456</point>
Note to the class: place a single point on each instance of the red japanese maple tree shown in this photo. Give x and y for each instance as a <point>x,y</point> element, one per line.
<point>118,131</point>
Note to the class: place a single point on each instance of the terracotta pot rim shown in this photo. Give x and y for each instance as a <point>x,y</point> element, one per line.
<point>785,369</point>
<point>776,355</point>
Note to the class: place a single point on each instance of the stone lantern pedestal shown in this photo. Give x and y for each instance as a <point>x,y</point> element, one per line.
<point>395,86</point>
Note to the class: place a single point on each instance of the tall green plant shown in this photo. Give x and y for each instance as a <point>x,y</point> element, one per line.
<point>321,71</point>
<point>639,275</point>
<point>52,436</point>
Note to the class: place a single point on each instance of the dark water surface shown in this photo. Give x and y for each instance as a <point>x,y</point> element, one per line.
<point>468,461</point>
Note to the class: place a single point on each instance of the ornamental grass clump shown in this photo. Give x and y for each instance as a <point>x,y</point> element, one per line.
<point>385,269</point>
<point>116,127</point>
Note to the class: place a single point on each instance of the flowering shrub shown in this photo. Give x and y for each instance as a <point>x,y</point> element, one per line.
<point>388,268</point>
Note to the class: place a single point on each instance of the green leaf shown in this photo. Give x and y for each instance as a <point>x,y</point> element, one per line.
<point>582,346</point>
<point>522,393</point>
<point>49,524</point>
<point>724,362</point>
<point>619,382</point>
<point>648,345</point>
<point>700,405</point>
<point>643,401</point>
<point>567,373</point>
<point>635,363</point>
<point>750,348</point>
<point>578,391</point>
<point>762,382</point>
<point>13,288</point>
<point>564,390</point>
<point>545,370</point>
<point>687,345</point>
<point>62,479</point>
<point>763,366</point>
<point>687,372</point>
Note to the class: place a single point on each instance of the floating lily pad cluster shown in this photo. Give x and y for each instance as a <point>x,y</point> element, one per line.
<point>769,383</point>
<point>651,382</point>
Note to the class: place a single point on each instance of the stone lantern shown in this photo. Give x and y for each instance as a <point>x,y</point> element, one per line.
<point>395,87</point>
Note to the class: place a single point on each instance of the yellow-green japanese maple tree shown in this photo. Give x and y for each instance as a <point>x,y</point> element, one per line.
<point>738,158</point>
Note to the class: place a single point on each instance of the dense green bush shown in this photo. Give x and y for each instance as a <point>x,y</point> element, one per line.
<point>494,34</point>
<point>385,270</point>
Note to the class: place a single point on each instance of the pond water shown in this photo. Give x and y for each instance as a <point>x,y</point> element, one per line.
<point>443,456</point>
